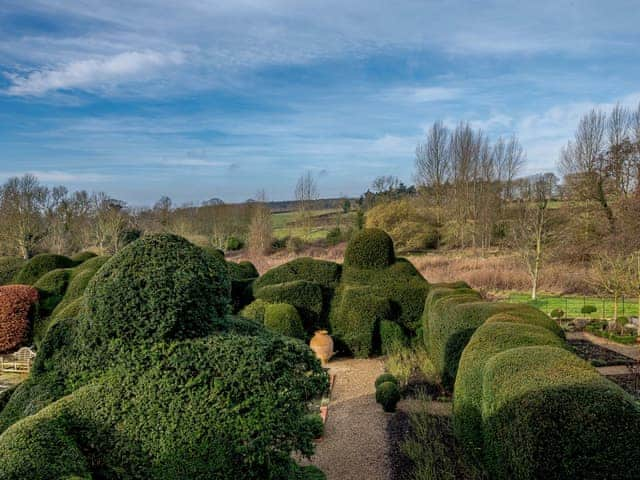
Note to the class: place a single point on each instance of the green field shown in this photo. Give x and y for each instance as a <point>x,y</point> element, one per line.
<point>286,224</point>
<point>572,305</point>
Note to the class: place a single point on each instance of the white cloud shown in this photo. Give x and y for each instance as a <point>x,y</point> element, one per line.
<point>423,94</point>
<point>92,73</point>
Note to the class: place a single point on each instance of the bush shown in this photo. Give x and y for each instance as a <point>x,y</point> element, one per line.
<point>557,313</point>
<point>548,414</point>
<point>371,248</point>
<point>33,269</point>
<point>234,243</point>
<point>355,324</point>
<point>17,310</point>
<point>315,424</point>
<point>255,311</point>
<point>9,266</point>
<point>388,395</point>
<point>488,340</point>
<point>160,287</point>
<point>225,407</point>
<point>391,336</point>
<point>284,319</point>
<point>305,296</point>
<point>52,287</point>
<point>322,272</point>
<point>82,257</point>
<point>334,236</point>
<point>385,377</point>
<point>588,309</point>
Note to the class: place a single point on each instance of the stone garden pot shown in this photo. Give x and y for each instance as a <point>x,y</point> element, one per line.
<point>322,346</point>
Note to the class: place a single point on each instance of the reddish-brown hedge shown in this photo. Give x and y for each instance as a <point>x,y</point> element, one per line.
<point>17,304</point>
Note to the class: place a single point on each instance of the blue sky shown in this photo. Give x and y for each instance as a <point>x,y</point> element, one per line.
<point>197,99</point>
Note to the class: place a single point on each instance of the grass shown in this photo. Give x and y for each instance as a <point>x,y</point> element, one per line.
<point>406,362</point>
<point>572,305</point>
<point>597,328</point>
<point>287,224</point>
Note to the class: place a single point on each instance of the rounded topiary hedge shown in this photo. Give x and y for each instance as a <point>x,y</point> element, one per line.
<point>388,395</point>
<point>17,309</point>
<point>284,319</point>
<point>322,272</point>
<point>9,267</point>
<point>371,248</point>
<point>385,377</point>
<point>39,265</point>
<point>307,297</point>
<point>52,287</point>
<point>255,311</point>
<point>82,257</point>
<point>160,287</point>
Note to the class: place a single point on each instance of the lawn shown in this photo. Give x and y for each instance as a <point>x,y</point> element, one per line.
<point>286,224</point>
<point>572,305</point>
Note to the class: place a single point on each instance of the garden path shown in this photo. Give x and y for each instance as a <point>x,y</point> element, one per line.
<point>354,444</point>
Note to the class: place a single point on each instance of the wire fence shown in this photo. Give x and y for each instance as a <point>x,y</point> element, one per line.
<point>572,305</point>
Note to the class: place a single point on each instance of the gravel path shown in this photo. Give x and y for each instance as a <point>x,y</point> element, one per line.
<point>354,445</point>
<point>631,351</point>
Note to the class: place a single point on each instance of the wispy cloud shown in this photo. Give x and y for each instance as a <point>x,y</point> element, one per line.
<point>92,74</point>
<point>58,176</point>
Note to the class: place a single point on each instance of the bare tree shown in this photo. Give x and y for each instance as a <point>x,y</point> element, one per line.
<point>109,223</point>
<point>23,202</point>
<point>511,165</point>
<point>433,164</point>
<point>531,231</point>
<point>305,193</point>
<point>260,227</point>
<point>610,275</point>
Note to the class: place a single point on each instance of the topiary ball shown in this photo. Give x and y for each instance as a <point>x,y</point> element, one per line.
<point>284,319</point>
<point>385,377</point>
<point>158,288</point>
<point>371,248</point>
<point>388,395</point>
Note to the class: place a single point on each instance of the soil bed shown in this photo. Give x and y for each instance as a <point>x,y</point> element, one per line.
<point>599,356</point>
<point>629,382</point>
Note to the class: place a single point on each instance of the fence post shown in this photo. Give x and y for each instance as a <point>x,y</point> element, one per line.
<point>604,314</point>
<point>623,305</point>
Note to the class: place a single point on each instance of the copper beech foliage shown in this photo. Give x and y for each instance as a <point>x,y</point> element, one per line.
<point>17,305</point>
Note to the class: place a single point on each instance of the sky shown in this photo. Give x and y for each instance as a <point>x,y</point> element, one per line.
<point>197,99</point>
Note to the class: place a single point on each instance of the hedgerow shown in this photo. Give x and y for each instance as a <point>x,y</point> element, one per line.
<point>371,248</point>
<point>9,267</point>
<point>355,323</point>
<point>549,414</point>
<point>307,297</point>
<point>284,319</point>
<point>36,267</point>
<point>18,305</point>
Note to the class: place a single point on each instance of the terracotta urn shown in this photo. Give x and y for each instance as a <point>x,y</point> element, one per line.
<point>322,346</point>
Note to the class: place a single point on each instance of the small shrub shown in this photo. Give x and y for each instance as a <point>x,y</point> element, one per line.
<point>334,236</point>
<point>255,311</point>
<point>314,424</point>
<point>17,310</point>
<point>388,395</point>
<point>234,243</point>
<point>284,319</point>
<point>385,377</point>
<point>307,297</point>
<point>371,248</point>
<point>588,309</point>
<point>39,265</point>
<point>9,267</point>
<point>557,313</point>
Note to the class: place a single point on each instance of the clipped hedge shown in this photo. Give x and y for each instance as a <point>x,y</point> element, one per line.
<point>52,287</point>
<point>370,248</point>
<point>9,267</point>
<point>82,257</point>
<point>493,337</point>
<point>307,297</point>
<point>388,395</point>
<point>36,267</point>
<point>255,311</point>
<point>355,323</point>
<point>80,277</point>
<point>160,287</point>
<point>284,319</point>
<point>18,305</point>
<point>548,414</point>
<point>322,272</point>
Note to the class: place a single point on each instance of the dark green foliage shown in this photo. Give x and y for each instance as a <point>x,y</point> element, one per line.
<point>284,319</point>
<point>234,243</point>
<point>82,257</point>
<point>588,309</point>
<point>51,287</point>
<point>216,252</point>
<point>307,297</point>
<point>223,407</point>
<point>70,310</point>
<point>36,267</point>
<point>9,267</point>
<point>322,272</point>
<point>452,316</point>
<point>385,377</point>
<point>548,414</point>
<point>5,395</point>
<point>355,323</point>
<point>314,424</point>
<point>391,336</point>
<point>371,248</point>
<point>557,313</point>
<point>309,472</point>
<point>160,287</point>
<point>488,340</point>
<point>255,311</point>
<point>242,276</point>
<point>334,236</point>
<point>431,239</point>
<point>388,395</point>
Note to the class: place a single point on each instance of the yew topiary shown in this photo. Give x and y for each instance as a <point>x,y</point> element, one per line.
<point>371,248</point>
